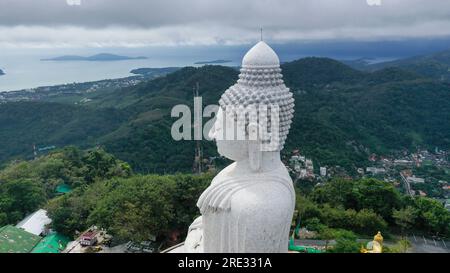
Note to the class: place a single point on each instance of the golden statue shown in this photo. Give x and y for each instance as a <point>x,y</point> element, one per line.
<point>375,246</point>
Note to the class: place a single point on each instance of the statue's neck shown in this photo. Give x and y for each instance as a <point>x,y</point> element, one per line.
<point>269,162</point>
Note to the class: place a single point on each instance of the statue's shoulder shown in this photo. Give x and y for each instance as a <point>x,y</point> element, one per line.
<point>267,190</point>
<point>247,190</point>
<point>224,173</point>
<point>281,172</point>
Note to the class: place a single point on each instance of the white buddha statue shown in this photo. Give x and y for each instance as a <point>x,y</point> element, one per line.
<point>249,205</point>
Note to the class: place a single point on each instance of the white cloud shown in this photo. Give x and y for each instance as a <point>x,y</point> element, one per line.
<point>133,23</point>
<point>373,2</point>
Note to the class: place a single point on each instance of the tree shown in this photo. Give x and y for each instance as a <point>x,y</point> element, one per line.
<point>401,246</point>
<point>133,208</point>
<point>314,224</point>
<point>63,215</point>
<point>404,218</point>
<point>364,221</point>
<point>327,234</point>
<point>306,208</point>
<point>186,191</point>
<point>136,208</point>
<point>346,243</point>
<point>3,219</point>
<point>432,216</point>
<point>379,196</point>
<point>336,192</point>
<point>368,222</point>
<point>71,211</point>
<point>372,194</point>
<point>27,185</point>
<point>101,165</point>
<point>20,197</point>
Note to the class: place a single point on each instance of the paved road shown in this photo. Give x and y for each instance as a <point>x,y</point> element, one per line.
<point>407,185</point>
<point>421,244</point>
<point>306,242</point>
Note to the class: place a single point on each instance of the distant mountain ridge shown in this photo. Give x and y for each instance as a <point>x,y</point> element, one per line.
<point>435,66</point>
<point>213,62</point>
<point>154,71</point>
<point>97,57</point>
<point>1,72</point>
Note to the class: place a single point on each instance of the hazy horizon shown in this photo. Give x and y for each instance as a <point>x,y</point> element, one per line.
<point>180,33</point>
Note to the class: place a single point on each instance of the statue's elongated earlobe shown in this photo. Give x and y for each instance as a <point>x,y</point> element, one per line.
<point>254,148</point>
<point>255,157</point>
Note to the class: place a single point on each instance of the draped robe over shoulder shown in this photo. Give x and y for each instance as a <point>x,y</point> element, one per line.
<point>240,214</point>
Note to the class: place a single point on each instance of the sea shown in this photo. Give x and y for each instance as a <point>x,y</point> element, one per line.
<point>24,69</point>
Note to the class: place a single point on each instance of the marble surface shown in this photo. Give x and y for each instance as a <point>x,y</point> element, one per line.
<point>249,205</point>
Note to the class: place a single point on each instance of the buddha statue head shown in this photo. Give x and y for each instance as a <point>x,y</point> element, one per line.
<point>378,238</point>
<point>255,114</point>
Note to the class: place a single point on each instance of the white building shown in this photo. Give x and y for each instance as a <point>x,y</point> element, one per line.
<point>303,173</point>
<point>323,171</point>
<point>403,162</point>
<point>413,179</point>
<point>35,223</point>
<point>375,170</point>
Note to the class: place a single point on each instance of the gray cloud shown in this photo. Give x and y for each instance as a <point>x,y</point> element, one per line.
<point>140,22</point>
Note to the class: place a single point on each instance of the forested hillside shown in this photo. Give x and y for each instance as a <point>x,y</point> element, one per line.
<point>24,124</point>
<point>341,116</point>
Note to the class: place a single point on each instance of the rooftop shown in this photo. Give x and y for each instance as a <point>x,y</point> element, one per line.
<point>53,243</point>
<point>35,223</point>
<point>89,234</point>
<point>16,240</point>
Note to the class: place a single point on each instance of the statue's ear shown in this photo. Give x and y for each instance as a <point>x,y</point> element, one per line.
<point>254,148</point>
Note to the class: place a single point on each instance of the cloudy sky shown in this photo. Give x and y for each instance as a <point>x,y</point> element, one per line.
<point>138,23</point>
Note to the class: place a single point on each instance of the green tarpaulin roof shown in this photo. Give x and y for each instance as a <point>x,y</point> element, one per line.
<point>17,240</point>
<point>53,243</point>
<point>306,249</point>
<point>63,188</point>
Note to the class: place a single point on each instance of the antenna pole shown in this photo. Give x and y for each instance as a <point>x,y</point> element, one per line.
<point>261,34</point>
